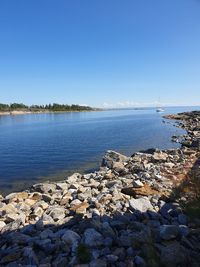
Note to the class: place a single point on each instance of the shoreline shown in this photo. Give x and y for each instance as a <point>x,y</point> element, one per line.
<point>129,204</point>
<point>15,113</point>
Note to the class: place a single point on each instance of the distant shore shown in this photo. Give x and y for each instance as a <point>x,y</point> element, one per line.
<point>20,108</point>
<point>20,112</point>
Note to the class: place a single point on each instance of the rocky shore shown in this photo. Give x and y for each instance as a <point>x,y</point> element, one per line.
<point>129,213</point>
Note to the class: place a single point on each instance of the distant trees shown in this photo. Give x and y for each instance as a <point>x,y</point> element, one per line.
<point>50,107</point>
<point>4,107</point>
<point>16,106</point>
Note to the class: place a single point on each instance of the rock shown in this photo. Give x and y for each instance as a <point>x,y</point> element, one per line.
<point>141,204</point>
<point>146,190</point>
<point>184,230</point>
<point>12,226</point>
<point>98,263</point>
<point>17,196</point>
<point>2,224</point>
<point>159,156</point>
<point>11,257</point>
<point>139,261</point>
<point>57,214</point>
<point>112,157</point>
<point>174,255</point>
<point>137,183</point>
<point>73,178</point>
<point>62,186</point>
<point>38,211</point>
<point>29,257</point>
<point>80,208</point>
<point>182,219</point>
<point>118,167</point>
<point>46,234</point>
<point>92,238</point>
<point>168,232</point>
<point>66,198</point>
<point>71,238</point>
<point>111,258</point>
<point>44,188</point>
<point>61,260</point>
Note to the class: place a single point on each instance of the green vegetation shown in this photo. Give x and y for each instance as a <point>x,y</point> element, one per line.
<point>83,254</point>
<point>37,108</point>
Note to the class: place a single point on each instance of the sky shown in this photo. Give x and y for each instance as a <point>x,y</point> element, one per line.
<point>102,53</point>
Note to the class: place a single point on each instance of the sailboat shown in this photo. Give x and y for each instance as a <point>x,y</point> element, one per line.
<point>159,109</point>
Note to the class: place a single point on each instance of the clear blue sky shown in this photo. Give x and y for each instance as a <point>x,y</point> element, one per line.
<point>100,52</point>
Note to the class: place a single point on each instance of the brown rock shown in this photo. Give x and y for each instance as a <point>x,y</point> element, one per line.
<point>146,190</point>
<point>80,208</point>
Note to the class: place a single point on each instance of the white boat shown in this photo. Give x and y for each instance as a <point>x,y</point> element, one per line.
<point>160,110</point>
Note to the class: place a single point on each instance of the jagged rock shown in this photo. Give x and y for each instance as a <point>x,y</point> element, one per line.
<point>2,224</point>
<point>159,156</point>
<point>112,157</point>
<point>57,214</point>
<point>137,183</point>
<point>141,204</point>
<point>73,178</point>
<point>80,208</point>
<point>44,188</point>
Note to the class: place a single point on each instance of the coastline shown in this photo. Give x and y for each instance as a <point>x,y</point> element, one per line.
<point>129,204</point>
<point>15,113</point>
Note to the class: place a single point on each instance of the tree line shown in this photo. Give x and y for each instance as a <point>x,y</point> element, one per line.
<point>50,107</point>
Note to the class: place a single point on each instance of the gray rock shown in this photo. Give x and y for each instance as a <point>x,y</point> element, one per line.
<point>139,261</point>
<point>174,255</point>
<point>111,258</point>
<point>168,232</point>
<point>44,188</point>
<point>46,234</point>
<point>61,260</point>
<point>29,257</point>
<point>73,178</point>
<point>182,219</point>
<point>71,238</point>
<point>112,157</point>
<point>92,238</point>
<point>98,263</point>
<point>142,204</point>
<point>57,214</point>
<point>2,224</point>
<point>184,230</point>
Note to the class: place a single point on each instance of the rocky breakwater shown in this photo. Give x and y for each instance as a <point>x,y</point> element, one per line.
<point>125,214</point>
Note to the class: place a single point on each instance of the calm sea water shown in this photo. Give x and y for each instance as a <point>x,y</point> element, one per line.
<point>40,147</point>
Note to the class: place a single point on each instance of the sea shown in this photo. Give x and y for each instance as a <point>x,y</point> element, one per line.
<point>51,146</point>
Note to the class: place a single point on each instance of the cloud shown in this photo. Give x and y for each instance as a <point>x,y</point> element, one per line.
<point>132,104</point>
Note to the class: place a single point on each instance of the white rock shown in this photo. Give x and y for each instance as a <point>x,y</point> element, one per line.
<point>142,204</point>
<point>137,183</point>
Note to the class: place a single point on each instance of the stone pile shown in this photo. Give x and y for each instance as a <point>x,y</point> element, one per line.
<point>125,214</point>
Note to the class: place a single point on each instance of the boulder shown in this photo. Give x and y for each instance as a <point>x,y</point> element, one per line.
<point>44,188</point>
<point>141,204</point>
